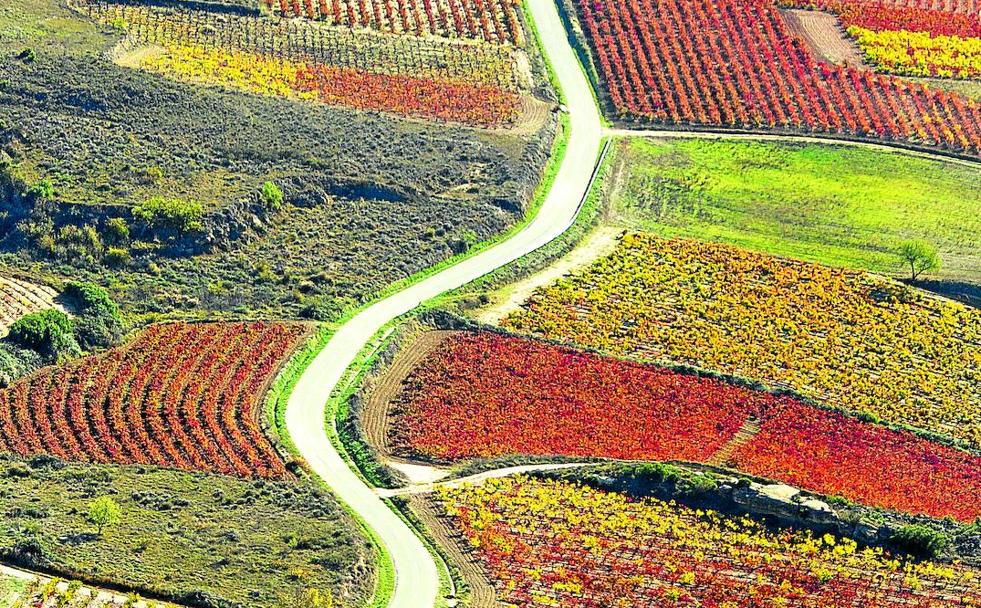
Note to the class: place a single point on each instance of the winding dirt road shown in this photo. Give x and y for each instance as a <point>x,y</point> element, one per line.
<point>416,576</point>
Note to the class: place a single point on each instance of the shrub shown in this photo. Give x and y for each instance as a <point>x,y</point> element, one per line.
<point>27,55</point>
<point>271,196</point>
<point>118,256</point>
<point>16,362</point>
<point>87,297</point>
<point>40,330</point>
<point>325,308</point>
<point>42,189</point>
<point>117,231</point>
<point>697,485</point>
<point>98,324</point>
<point>178,214</point>
<point>920,540</point>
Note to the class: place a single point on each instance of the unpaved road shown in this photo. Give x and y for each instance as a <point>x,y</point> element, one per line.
<point>416,577</point>
<point>425,488</point>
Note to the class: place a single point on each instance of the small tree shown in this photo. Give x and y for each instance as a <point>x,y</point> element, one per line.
<point>921,257</point>
<point>272,196</point>
<point>104,512</point>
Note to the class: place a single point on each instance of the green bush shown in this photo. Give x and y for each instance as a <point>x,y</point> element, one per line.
<point>16,362</point>
<point>27,55</point>
<point>118,256</point>
<point>40,330</point>
<point>42,189</point>
<point>87,297</point>
<point>697,485</point>
<point>117,231</point>
<point>656,472</point>
<point>919,540</point>
<point>325,308</point>
<point>178,214</point>
<point>271,196</point>
<point>98,324</point>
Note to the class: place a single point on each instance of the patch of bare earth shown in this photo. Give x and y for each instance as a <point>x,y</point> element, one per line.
<point>133,56</point>
<point>458,550</point>
<point>531,118</point>
<point>599,243</point>
<point>824,37</point>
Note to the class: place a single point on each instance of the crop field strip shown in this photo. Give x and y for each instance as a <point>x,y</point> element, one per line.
<point>912,41</point>
<point>734,63</point>
<point>310,43</point>
<point>485,395</point>
<point>454,80</point>
<point>554,543</point>
<point>180,395</point>
<point>834,205</point>
<point>19,297</point>
<point>493,21</point>
<point>845,338</point>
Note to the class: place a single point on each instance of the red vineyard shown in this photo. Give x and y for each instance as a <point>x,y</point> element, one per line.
<point>485,395</point>
<point>878,17</point>
<point>955,7</point>
<point>421,97</point>
<point>186,396</point>
<point>840,456</point>
<point>734,63</point>
<point>488,20</point>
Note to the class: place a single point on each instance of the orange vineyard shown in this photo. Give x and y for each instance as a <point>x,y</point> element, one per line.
<point>181,395</point>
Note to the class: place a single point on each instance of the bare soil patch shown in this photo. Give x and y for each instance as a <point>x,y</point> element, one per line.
<point>532,117</point>
<point>824,37</point>
<point>599,243</point>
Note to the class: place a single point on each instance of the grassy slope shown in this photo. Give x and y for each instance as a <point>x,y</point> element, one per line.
<point>10,588</point>
<point>834,205</point>
<point>235,539</point>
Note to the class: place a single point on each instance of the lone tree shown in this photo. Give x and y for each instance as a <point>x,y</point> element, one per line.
<point>104,512</point>
<point>921,257</point>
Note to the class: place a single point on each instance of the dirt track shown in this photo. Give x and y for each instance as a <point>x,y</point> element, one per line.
<point>482,593</point>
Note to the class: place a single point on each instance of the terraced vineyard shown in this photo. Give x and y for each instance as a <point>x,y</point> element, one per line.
<point>19,297</point>
<point>551,543</point>
<point>734,63</point>
<point>845,338</point>
<point>485,395</point>
<point>187,396</point>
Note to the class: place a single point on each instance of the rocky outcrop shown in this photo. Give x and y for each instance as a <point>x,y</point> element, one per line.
<point>781,501</point>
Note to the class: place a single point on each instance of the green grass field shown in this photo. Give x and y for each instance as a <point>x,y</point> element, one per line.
<point>10,589</point>
<point>834,205</point>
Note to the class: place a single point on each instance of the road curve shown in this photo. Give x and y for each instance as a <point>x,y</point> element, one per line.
<point>416,576</point>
